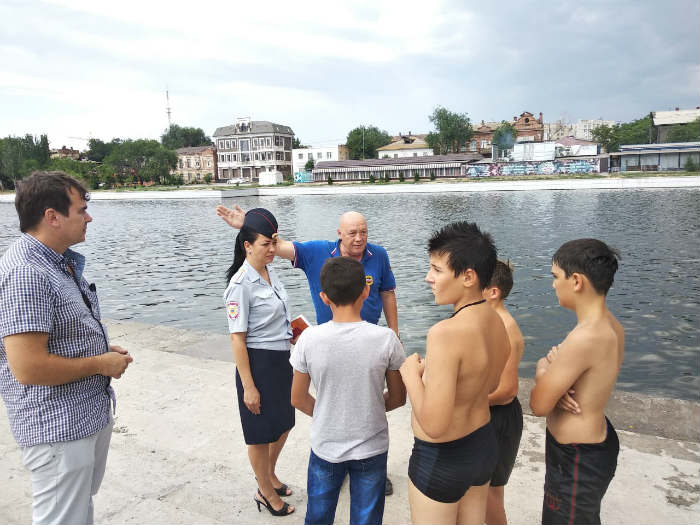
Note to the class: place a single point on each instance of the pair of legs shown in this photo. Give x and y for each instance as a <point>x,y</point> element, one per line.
<point>263,459</point>
<point>65,477</point>
<point>367,486</point>
<point>471,508</point>
<point>495,507</point>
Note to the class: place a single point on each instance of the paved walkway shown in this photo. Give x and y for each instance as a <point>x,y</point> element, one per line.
<point>178,455</point>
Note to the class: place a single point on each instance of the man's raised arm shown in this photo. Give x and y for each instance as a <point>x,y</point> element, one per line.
<point>235,217</point>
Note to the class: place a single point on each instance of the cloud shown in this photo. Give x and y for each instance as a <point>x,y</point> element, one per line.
<point>102,68</point>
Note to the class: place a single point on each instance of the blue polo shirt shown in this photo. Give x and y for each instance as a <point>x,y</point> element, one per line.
<point>310,256</point>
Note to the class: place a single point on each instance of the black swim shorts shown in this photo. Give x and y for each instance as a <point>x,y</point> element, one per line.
<point>576,479</point>
<point>507,421</point>
<point>445,471</point>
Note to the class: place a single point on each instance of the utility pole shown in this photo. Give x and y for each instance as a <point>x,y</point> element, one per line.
<point>167,107</point>
<point>363,142</point>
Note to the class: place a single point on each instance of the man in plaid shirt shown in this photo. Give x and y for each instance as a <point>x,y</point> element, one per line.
<point>56,362</point>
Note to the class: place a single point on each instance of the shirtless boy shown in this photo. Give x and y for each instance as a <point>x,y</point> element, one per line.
<point>455,448</point>
<point>506,412</point>
<point>573,384</point>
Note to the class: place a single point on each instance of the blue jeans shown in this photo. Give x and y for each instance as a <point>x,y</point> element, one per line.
<point>367,485</point>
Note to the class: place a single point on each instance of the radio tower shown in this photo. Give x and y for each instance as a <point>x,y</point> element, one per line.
<point>167,107</point>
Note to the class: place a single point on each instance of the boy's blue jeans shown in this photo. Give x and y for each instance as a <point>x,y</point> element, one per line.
<point>367,485</point>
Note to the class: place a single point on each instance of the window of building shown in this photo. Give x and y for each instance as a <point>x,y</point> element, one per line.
<point>415,154</point>
<point>396,155</point>
<point>208,163</point>
<point>310,156</point>
<point>189,163</point>
<point>256,155</point>
<point>269,155</point>
<point>301,156</point>
<point>244,144</point>
<point>233,144</point>
<point>228,144</point>
<point>268,142</point>
<point>329,155</point>
<point>179,163</point>
<point>255,143</point>
<point>245,157</point>
<point>319,155</point>
<point>472,145</point>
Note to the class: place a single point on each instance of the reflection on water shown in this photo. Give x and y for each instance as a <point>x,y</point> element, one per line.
<point>164,261</point>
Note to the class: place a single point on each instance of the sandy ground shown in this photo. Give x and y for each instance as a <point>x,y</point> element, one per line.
<point>178,455</point>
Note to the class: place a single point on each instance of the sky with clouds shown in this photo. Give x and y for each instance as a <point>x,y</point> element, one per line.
<point>87,68</point>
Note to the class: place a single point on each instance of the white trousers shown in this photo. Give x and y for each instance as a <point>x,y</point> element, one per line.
<point>65,477</point>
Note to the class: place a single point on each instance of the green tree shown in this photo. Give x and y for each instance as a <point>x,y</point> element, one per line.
<point>416,176</point>
<point>363,141</point>
<point>19,156</point>
<point>141,161</point>
<point>504,136</point>
<point>309,166</point>
<point>98,150</point>
<point>183,137</point>
<point>685,132</point>
<point>296,143</point>
<point>640,131</point>
<point>452,131</point>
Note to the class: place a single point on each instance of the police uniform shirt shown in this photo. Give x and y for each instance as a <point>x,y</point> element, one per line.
<point>259,309</point>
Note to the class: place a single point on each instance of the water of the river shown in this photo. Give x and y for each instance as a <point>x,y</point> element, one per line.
<point>163,262</point>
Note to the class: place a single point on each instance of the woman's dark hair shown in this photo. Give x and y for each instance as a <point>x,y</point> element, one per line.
<point>43,190</point>
<point>245,234</point>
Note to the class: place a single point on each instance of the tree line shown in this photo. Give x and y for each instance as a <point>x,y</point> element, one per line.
<point>106,164</point>
<point>642,131</point>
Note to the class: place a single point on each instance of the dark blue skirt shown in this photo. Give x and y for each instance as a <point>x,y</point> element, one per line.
<point>272,375</point>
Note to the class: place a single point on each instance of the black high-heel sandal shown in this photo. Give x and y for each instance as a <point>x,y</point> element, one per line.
<point>283,491</point>
<point>284,511</point>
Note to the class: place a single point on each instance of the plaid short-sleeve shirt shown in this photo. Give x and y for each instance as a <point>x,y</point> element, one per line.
<point>39,294</point>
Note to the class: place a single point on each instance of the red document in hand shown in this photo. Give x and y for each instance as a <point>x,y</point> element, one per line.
<point>299,324</point>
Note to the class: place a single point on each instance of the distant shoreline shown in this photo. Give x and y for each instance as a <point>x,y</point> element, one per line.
<point>476,185</point>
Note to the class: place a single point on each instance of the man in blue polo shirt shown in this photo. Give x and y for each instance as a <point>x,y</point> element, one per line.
<point>352,242</point>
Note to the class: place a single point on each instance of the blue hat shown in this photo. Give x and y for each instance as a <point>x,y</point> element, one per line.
<point>261,221</point>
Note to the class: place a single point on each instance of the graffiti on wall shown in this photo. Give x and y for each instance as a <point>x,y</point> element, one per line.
<point>303,176</point>
<point>549,167</point>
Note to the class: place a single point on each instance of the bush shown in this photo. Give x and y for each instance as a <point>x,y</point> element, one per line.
<point>372,179</point>
<point>330,180</point>
<point>401,178</point>
<point>386,176</point>
<point>416,176</point>
<point>432,175</point>
<point>207,178</point>
<point>690,165</point>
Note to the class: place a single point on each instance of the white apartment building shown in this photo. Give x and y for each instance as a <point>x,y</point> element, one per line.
<point>249,147</point>
<point>581,129</point>
<point>300,156</point>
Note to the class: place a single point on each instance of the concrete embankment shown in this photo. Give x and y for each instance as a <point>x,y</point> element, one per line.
<point>178,454</point>
<point>480,185</point>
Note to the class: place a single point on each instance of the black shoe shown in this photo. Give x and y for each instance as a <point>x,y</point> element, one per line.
<point>389,488</point>
<point>284,511</point>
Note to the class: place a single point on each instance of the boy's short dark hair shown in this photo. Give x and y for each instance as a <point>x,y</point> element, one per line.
<point>343,280</point>
<point>43,190</point>
<point>467,247</point>
<point>590,257</point>
<point>502,278</point>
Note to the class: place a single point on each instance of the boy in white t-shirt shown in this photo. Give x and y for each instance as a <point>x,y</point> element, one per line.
<point>347,360</point>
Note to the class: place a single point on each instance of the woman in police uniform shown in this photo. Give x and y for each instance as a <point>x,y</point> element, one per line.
<point>259,323</point>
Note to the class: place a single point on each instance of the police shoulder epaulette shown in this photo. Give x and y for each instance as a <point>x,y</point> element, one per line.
<point>238,277</point>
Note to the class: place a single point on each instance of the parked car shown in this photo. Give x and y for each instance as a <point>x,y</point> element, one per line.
<point>236,181</point>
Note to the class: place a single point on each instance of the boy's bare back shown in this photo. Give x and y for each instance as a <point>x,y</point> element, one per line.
<point>596,349</point>
<point>465,357</point>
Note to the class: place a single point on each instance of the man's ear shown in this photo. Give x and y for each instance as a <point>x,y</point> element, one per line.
<point>340,235</point>
<point>492,293</point>
<point>578,280</point>
<point>365,292</point>
<point>51,217</point>
<point>324,298</point>
<point>469,278</point>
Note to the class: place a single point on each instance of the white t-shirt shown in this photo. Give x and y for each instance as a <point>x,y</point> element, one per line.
<point>347,363</point>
